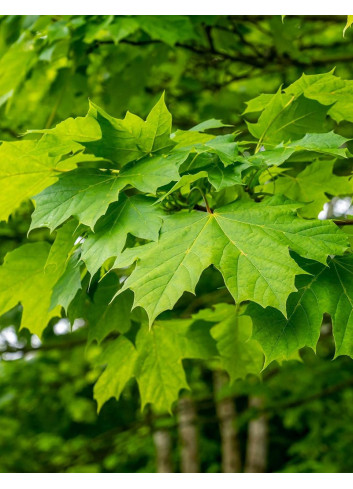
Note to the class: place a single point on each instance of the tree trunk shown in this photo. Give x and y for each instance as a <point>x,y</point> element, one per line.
<point>226,413</point>
<point>163,443</point>
<point>188,436</point>
<point>256,450</point>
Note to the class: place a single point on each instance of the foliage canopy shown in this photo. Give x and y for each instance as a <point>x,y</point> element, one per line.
<point>106,210</point>
<point>147,210</point>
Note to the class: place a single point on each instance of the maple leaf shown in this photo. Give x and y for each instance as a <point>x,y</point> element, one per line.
<point>155,361</point>
<point>87,192</point>
<point>65,136</point>
<point>328,289</point>
<point>248,242</point>
<point>207,164</point>
<point>311,185</point>
<point>83,193</point>
<point>135,215</point>
<point>329,90</point>
<point>210,124</point>
<point>281,336</point>
<point>68,284</point>
<point>26,170</point>
<point>107,316</point>
<point>105,172</point>
<point>119,358</point>
<point>287,118</point>
<point>239,354</point>
<point>327,143</point>
<point>28,276</point>
<point>131,138</point>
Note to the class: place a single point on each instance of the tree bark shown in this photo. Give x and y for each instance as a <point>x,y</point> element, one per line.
<point>226,413</point>
<point>188,436</point>
<point>163,443</point>
<point>256,449</point>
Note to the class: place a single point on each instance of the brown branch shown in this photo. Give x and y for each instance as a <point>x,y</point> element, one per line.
<point>328,391</point>
<point>343,222</point>
<point>201,208</point>
<point>62,345</point>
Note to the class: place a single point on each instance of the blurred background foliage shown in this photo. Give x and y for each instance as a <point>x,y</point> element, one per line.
<point>298,417</point>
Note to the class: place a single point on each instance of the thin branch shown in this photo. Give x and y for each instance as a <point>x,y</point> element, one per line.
<point>343,222</point>
<point>332,389</point>
<point>62,345</point>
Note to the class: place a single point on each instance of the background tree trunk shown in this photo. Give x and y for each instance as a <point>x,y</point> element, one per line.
<point>188,436</point>
<point>256,449</point>
<point>226,413</point>
<point>163,443</point>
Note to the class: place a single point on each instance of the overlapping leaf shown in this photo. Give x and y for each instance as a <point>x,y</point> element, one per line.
<point>87,193</point>
<point>24,172</point>
<point>155,361</point>
<point>288,118</point>
<point>249,244</point>
<point>131,138</point>
<point>135,215</point>
<point>239,354</point>
<point>328,90</point>
<point>107,316</point>
<point>250,241</point>
<point>325,290</point>
<point>329,144</point>
<point>311,185</point>
<point>28,276</point>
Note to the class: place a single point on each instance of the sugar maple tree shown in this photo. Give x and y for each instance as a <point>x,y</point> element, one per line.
<point>139,213</point>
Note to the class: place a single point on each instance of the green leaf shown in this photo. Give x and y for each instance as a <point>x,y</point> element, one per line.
<point>189,139</point>
<point>224,147</point>
<point>221,177</point>
<point>311,185</point>
<point>239,354</point>
<point>26,170</point>
<point>78,129</point>
<point>120,357</point>
<point>247,242</point>
<point>68,284</point>
<point>14,65</point>
<point>281,336</point>
<point>87,193</point>
<point>348,24</point>
<point>286,118</point>
<point>160,373</point>
<point>119,137</point>
<point>82,193</point>
<point>173,29</point>
<point>107,316</point>
<point>156,363</point>
<point>28,276</point>
<point>328,144</point>
<point>218,175</point>
<point>186,179</point>
<point>131,138</point>
<point>210,124</point>
<point>259,103</point>
<point>152,172</point>
<point>336,299</point>
<point>156,131</point>
<point>135,215</point>
<point>326,290</point>
<point>328,90</point>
